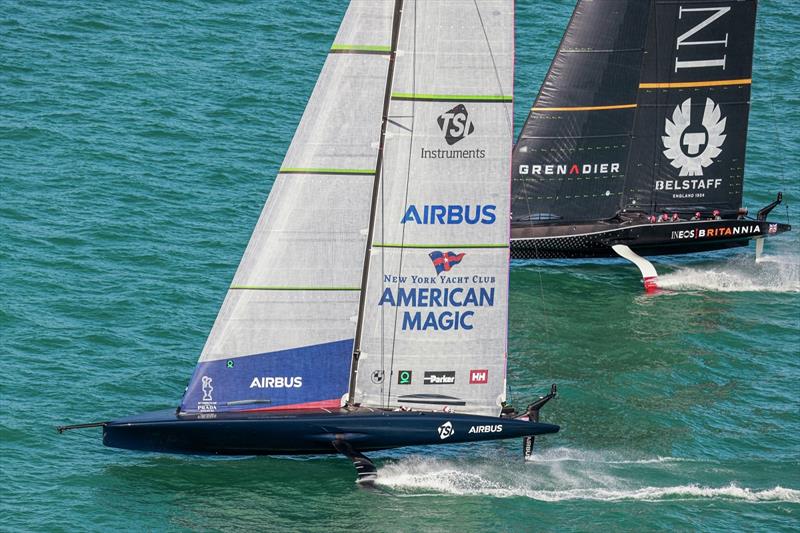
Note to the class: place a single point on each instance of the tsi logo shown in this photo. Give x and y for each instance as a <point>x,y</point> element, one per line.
<point>446,430</point>
<point>270,382</point>
<point>455,124</point>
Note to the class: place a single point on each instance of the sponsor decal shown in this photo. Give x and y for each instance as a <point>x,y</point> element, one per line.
<point>437,297</point>
<point>727,231</point>
<point>446,430</point>
<point>569,169</point>
<point>703,36</point>
<point>276,382</point>
<point>497,428</point>
<point>377,376</point>
<point>404,377</point>
<point>207,389</point>
<point>689,148</point>
<point>773,228</point>
<point>207,403</point>
<point>229,363</point>
<point>439,377</point>
<point>443,262</point>
<point>450,214</point>
<point>455,124</point>
<point>477,377</point>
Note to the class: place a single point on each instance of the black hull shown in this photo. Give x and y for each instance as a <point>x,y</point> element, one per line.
<point>562,241</point>
<point>307,431</point>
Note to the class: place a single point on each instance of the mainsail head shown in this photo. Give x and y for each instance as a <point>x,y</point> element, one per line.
<point>644,109</point>
<point>435,312</point>
<point>284,334</point>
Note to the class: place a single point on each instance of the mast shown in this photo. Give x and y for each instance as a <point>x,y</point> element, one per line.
<point>398,8</point>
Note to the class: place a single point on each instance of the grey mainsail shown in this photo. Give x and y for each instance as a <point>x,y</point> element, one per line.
<point>284,334</point>
<point>435,313</point>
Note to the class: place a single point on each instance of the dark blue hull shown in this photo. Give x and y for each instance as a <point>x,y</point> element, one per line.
<point>307,431</point>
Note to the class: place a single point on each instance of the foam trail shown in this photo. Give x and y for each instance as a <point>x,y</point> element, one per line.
<point>423,474</point>
<point>561,454</point>
<point>741,274</point>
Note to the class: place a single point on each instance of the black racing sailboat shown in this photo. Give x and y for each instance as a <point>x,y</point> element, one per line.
<point>635,144</point>
<point>370,308</point>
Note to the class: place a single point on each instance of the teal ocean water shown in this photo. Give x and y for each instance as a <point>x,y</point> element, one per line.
<point>138,141</point>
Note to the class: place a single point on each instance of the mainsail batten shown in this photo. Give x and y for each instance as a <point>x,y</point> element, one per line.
<point>435,317</point>
<point>284,335</point>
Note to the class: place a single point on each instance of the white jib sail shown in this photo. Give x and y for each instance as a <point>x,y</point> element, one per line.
<point>435,321</point>
<point>284,335</point>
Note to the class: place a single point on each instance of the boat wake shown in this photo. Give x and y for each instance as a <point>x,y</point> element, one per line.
<point>780,273</point>
<point>416,476</point>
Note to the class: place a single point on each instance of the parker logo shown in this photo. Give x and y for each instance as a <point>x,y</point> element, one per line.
<point>692,150</point>
<point>455,124</point>
<point>270,382</point>
<point>498,428</point>
<point>207,389</point>
<point>404,377</point>
<point>439,377</point>
<point>446,430</point>
<point>478,376</point>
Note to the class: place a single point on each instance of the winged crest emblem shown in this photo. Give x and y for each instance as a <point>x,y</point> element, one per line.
<point>683,150</point>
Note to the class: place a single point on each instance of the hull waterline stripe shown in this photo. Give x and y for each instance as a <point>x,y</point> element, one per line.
<point>689,84</point>
<point>360,49</point>
<point>393,245</point>
<point>451,97</point>
<point>345,171</point>
<point>289,288</point>
<point>585,108</point>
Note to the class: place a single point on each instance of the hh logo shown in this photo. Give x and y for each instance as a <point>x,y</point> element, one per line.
<point>478,376</point>
<point>455,124</point>
<point>689,147</point>
<point>443,262</point>
<point>446,430</point>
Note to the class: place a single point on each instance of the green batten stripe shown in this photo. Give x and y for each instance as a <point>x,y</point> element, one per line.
<point>449,246</point>
<point>364,48</point>
<point>350,171</point>
<point>282,288</point>
<point>451,97</point>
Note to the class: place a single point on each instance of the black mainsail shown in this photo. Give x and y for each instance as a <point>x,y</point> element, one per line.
<point>643,114</point>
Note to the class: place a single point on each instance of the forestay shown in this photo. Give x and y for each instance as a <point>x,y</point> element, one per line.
<point>435,315</point>
<point>284,334</point>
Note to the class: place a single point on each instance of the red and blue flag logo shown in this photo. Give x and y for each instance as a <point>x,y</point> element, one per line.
<point>444,261</point>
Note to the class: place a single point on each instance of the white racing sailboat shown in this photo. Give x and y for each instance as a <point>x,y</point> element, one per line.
<point>370,309</point>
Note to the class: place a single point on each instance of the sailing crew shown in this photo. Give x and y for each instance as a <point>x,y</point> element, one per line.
<point>675,217</point>
<point>697,216</point>
<point>715,213</point>
<point>652,219</point>
<point>664,217</point>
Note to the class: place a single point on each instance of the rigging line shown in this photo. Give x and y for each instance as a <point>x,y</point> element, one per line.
<point>408,181</point>
<point>777,132</point>
<point>362,301</point>
<point>509,119</point>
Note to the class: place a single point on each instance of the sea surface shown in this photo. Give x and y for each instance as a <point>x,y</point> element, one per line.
<point>138,141</point>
